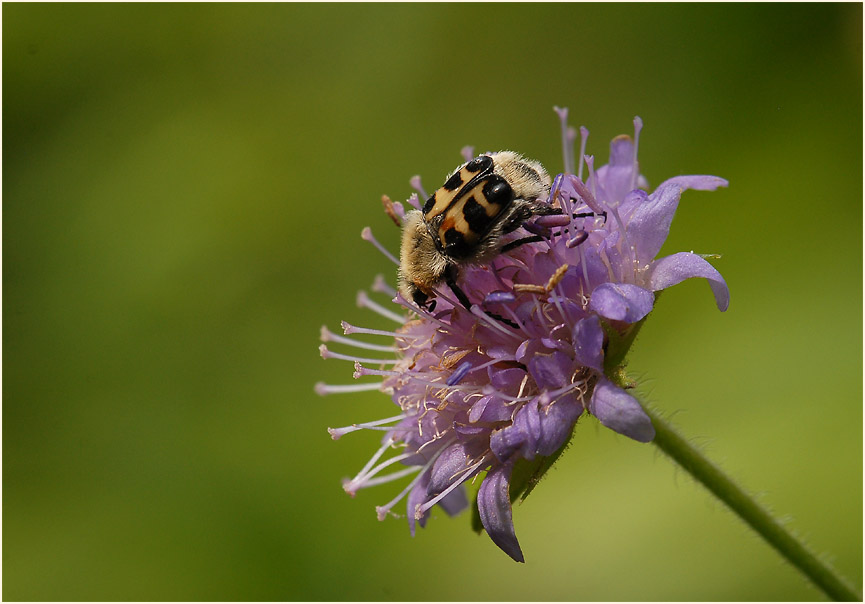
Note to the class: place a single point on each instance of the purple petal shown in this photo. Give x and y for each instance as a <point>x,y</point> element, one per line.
<point>551,371</point>
<point>557,421</point>
<point>521,435</point>
<point>505,380</point>
<point>494,505</point>
<point>650,222</point>
<point>417,496</point>
<point>490,409</point>
<point>620,411</point>
<point>589,343</point>
<point>698,182</point>
<point>674,269</point>
<point>446,468</point>
<point>622,302</point>
<point>617,177</point>
<point>455,502</point>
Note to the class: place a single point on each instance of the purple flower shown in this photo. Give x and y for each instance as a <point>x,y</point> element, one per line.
<point>482,392</point>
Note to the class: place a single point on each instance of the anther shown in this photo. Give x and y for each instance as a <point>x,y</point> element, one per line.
<point>499,297</point>
<point>394,210</point>
<point>577,239</point>
<point>461,371</point>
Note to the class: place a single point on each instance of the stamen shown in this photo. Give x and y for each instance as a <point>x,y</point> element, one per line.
<point>361,480</point>
<point>529,288</point>
<point>373,482</point>
<point>363,301</point>
<point>376,456</point>
<point>586,195</point>
<point>367,235</point>
<point>360,370</point>
<point>417,186</point>
<point>458,480</point>
<point>577,239</point>
<point>336,433</point>
<point>329,336</point>
<point>585,274</point>
<point>394,210</point>
<point>413,201</point>
<point>567,146</point>
<point>323,389</point>
<point>423,313</point>
<point>635,169</point>
<point>584,136</point>
<point>476,311</point>
<point>590,162</point>
<point>457,376</point>
<point>382,511</point>
<point>348,328</point>
<point>380,286</point>
<point>468,152</point>
<point>328,354</point>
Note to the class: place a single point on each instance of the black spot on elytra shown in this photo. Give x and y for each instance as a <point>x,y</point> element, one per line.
<point>498,191</point>
<point>428,206</point>
<point>454,182</point>
<point>484,162</point>
<point>476,216</point>
<point>455,244</point>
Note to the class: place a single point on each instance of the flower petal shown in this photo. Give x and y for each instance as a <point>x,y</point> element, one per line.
<point>455,502</point>
<point>622,302</point>
<point>417,496</point>
<point>650,222</point>
<point>551,371</point>
<point>620,411</point>
<point>674,269</point>
<point>446,469</point>
<point>589,343</point>
<point>494,506</point>
<point>698,182</point>
<point>557,422</point>
<point>520,436</point>
<point>617,177</point>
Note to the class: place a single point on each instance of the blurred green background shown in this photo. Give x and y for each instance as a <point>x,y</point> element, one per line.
<point>184,188</point>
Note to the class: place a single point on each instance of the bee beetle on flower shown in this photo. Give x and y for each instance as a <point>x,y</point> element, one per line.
<point>465,220</point>
<point>498,377</point>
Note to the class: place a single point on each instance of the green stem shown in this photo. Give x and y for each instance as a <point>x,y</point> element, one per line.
<point>756,516</point>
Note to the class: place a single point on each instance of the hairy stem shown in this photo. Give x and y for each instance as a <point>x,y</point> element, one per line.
<point>756,516</point>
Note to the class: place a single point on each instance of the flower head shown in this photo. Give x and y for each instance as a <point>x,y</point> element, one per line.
<point>483,390</point>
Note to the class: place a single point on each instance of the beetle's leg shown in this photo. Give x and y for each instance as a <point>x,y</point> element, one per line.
<point>450,279</point>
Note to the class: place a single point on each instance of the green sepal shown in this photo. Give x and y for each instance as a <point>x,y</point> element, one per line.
<point>477,525</point>
<point>619,343</point>
<point>527,474</point>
